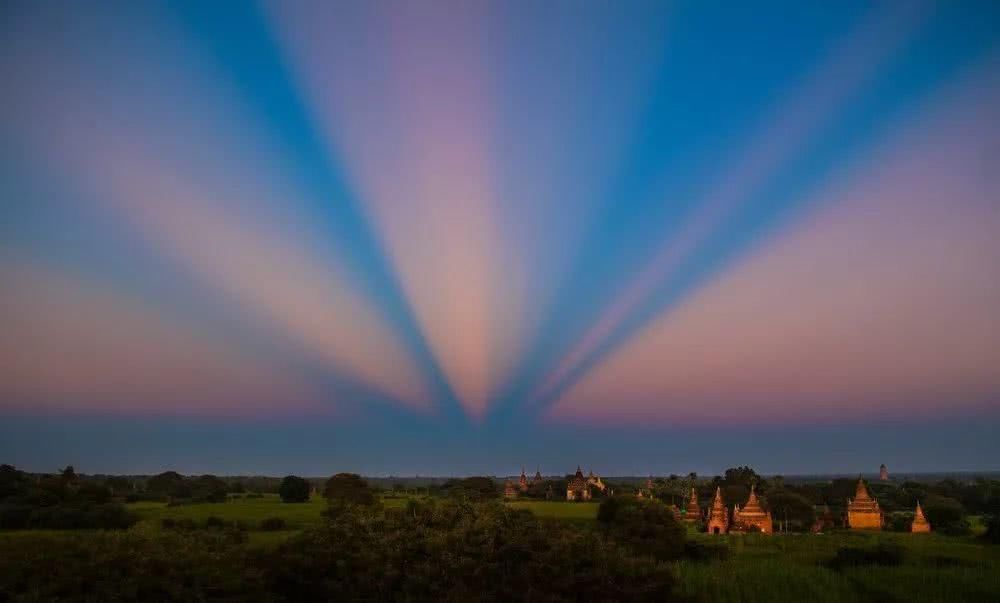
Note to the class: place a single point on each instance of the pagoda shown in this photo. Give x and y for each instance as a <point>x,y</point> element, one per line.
<point>863,513</point>
<point>577,488</point>
<point>752,517</point>
<point>522,482</point>
<point>883,473</point>
<point>509,491</point>
<point>538,476</point>
<point>718,515</point>
<point>920,524</point>
<point>693,513</point>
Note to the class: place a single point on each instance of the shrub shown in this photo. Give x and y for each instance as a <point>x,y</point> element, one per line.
<point>213,522</point>
<point>348,488</point>
<point>992,534</point>
<point>294,489</point>
<point>647,527</point>
<point>888,555</point>
<point>186,524</point>
<point>272,524</point>
<point>946,515</point>
<point>706,551</point>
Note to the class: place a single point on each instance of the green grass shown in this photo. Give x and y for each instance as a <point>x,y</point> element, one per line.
<point>574,511</point>
<point>297,516</point>
<point>760,568</point>
<point>793,568</point>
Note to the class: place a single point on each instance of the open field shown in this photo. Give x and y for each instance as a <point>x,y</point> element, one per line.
<point>779,567</point>
<point>574,511</point>
<point>794,568</point>
<point>249,510</point>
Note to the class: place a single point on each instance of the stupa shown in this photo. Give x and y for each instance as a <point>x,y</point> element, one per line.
<point>577,488</point>
<point>920,524</point>
<point>718,515</point>
<point>863,513</point>
<point>693,512</point>
<point>752,517</point>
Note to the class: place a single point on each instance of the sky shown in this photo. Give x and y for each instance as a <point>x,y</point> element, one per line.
<point>452,238</point>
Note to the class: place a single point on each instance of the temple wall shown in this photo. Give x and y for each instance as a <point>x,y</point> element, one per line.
<point>864,521</point>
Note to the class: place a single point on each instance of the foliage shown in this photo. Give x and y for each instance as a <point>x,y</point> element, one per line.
<point>56,502</point>
<point>294,489</point>
<point>348,488</point>
<point>706,551</point>
<point>645,526</point>
<point>795,508</point>
<point>272,524</point>
<point>475,489</point>
<point>946,515</point>
<point>458,551</point>
<point>884,554</point>
<point>992,534</point>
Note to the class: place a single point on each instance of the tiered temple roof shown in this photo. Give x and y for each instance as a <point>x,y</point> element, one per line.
<point>522,482</point>
<point>718,515</point>
<point>538,476</point>
<point>577,488</point>
<point>920,523</point>
<point>752,516</point>
<point>864,512</point>
<point>693,512</point>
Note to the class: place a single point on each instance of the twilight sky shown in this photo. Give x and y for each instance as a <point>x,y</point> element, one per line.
<point>461,237</point>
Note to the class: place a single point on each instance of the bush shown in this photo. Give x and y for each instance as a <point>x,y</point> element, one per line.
<point>887,555</point>
<point>647,527</point>
<point>213,522</point>
<point>992,534</point>
<point>272,524</point>
<point>294,489</point>
<point>942,512</point>
<point>706,551</point>
<point>348,488</point>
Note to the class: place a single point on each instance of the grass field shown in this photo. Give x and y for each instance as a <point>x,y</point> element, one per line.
<point>777,568</point>
<point>793,568</point>
<point>575,511</point>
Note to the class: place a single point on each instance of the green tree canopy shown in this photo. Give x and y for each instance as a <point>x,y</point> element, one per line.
<point>294,489</point>
<point>348,488</point>
<point>795,508</point>
<point>646,526</point>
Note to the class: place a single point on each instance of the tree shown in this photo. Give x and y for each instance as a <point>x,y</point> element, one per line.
<point>209,488</point>
<point>797,509</point>
<point>946,515</point>
<point>646,526</point>
<point>348,488</point>
<point>164,484</point>
<point>294,489</point>
<point>68,475</point>
<point>473,488</point>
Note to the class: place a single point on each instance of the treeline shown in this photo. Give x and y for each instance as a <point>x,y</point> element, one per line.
<point>59,501</point>
<point>947,503</point>
<point>448,549</point>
